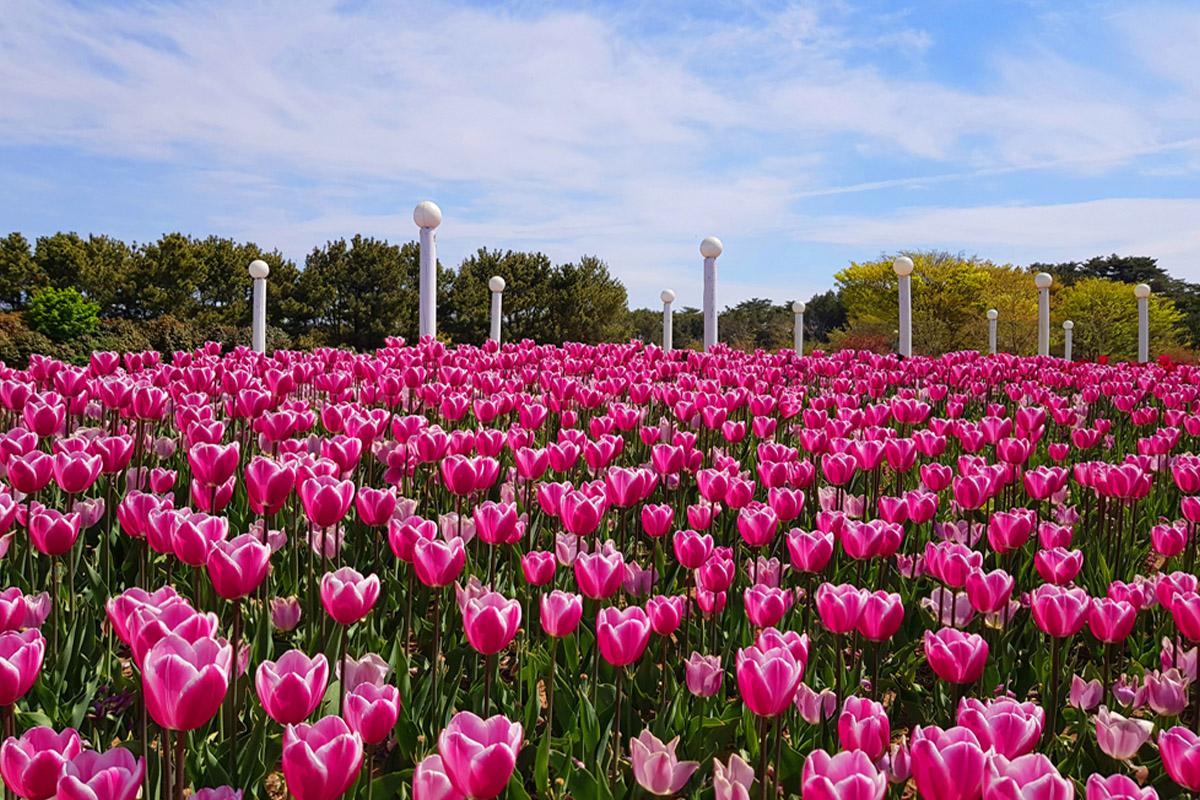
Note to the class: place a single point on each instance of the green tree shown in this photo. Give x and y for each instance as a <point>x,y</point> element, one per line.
<point>824,313</point>
<point>1105,317</point>
<point>61,314</point>
<point>20,275</point>
<point>589,304</point>
<point>757,324</point>
<point>527,309</point>
<point>61,257</point>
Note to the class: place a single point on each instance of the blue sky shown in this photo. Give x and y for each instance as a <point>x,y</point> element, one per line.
<point>804,134</point>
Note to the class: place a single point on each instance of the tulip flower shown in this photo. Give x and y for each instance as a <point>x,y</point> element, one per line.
<point>321,761</point>
<point>947,765</point>
<point>33,763</point>
<point>703,674</point>
<point>560,613</point>
<point>185,682</point>
<point>732,780</point>
<point>1010,728</point>
<point>656,768</point>
<point>767,679</point>
<point>291,688</point>
<point>237,567</point>
<point>846,776</point>
<point>20,663</point>
<point>347,596</point>
<point>863,725</point>
<point>371,711</point>
<point>479,755</point>
<point>112,775</point>
<point>1117,787</point>
<point>1030,776</point>
<point>285,613</point>
<point>955,656</point>
<point>622,634</point>
<point>1119,736</point>
<point>430,781</point>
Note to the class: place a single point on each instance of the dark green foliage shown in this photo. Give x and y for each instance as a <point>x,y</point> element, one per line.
<point>61,314</point>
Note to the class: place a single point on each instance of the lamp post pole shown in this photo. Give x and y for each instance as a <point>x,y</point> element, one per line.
<point>992,314</point>
<point>259,270</point>
<point>428,217</point>
<point>798,328</point>
<point>903,267</point>
<point>668,297</point>
<point>496,285</point>
<point>1142,293</point>
<point>710,248</point>
<point>1043,280</point>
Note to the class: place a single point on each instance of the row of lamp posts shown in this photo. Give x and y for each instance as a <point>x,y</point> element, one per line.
<point>428,217</point>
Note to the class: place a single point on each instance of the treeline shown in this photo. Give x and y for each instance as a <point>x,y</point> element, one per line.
<point>67,295</point>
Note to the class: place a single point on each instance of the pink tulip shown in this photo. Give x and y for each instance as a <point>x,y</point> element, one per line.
<point>12,609</point>
<point>599,575</point>
<point>1185,611</point>
<point>1085,695</point>
<point>692,549</point>
<point>218,793</point>
<point>1011,728</point>
<point>560,613</point>
<point>403,535</point>
<point>947,765</point>
<point>325,499</point>
<point>666,613</point>
<point>237,567</point>
<point>1058,565</point>
<point>622,634</point>
<point>285,613</point>
<point>1058,611</point>
<point>52,532</point>
<point>491,622</point>
<point>815,707</point>
<point>846,776</point>
<point>291,688</point>
<point>732,780</point>
<point>1119,736</point>
<point>347,596</point>
<point>1180,751</point>
<point>882,615</point>
<point>1165,692</point>
<point>76,472</point>
<point>497,523</point>
<point>757,523</point>
<point>213,464</point>
<point>371,668</point>
<point>269,483</point>
<point>1028,777</point>
<point>538,567</point>
<point>20,663</point>
<point>371,711</point>
<point>112,775</point>
<point>809,551</point>
<point>1111,620</point>
<point>863,725</point>
<point>1117,787</point>
<point>656,768</point>
<point>839,607</point>
<point>703,674</point>
<point>768,679</point>
<point>954,656</point>
<point>430,781</point>
<point>657,519</point>
<point>185,682</point>
<point>479,755</point>
<point>321,761</point>
<point>766,605</point>
<point>30,472</point>
<point>32,764</point>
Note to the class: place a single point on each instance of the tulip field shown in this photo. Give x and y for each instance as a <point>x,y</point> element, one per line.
<point>598,572</point>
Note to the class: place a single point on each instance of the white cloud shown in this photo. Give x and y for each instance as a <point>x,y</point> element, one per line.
<point>595,131</point>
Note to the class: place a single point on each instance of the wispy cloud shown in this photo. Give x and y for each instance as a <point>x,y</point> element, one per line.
<point>625,130</point>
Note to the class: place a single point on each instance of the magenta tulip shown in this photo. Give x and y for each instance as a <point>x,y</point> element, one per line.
<point>112,775</point>
<point>347,596</point>
<point>371,711</point>
<point>20,663</point>
<point>1117,787</point>
<point>1028,777</point>
<point>1180,751</point>
<point>947,765</point>
<point>321,761</point>
<point>846,776</point>
<point>185,682</point>
<point>863,725</point>
<point>622,634</point>
<point>291,688</point>
<point>560,613</point>
<point>656,768</point>
<point>479,755</point>
<point>430,781</point>
<point>767,679</point>
<point>1009,727</point>
<point>33,763</point>
<point>491,621</point>
<point>955,656</point>
<point>237,567</point>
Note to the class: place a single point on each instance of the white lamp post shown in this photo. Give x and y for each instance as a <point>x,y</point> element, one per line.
<point>1142,293</point>
<point>668,297</point>
<point>798,327</point>
<point>428,216</point>
<point>1068,334</point>
<point>903,267</point>
<point>1043,280</point>
<point>259,270</point>
<point>496,285</point>
<point>992,314</point>
<point>710,248</point>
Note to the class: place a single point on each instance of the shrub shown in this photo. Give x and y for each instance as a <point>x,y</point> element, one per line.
<point>61,314</point>
<point>17,342</point>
